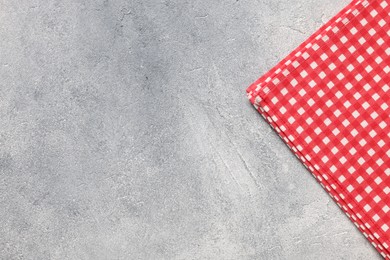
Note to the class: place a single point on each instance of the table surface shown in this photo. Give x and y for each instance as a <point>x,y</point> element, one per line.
<point>125,133</point>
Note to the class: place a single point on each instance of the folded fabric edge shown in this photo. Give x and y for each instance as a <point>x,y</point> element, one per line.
<point>262,109</point>
<point>256,99</point>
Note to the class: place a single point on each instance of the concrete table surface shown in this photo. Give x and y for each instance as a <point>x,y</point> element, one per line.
<point>125,133</point>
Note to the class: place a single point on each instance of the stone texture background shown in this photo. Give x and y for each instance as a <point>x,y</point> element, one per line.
<point>125,133</point>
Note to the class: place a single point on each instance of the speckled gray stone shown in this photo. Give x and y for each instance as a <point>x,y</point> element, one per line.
<point>125,133</point>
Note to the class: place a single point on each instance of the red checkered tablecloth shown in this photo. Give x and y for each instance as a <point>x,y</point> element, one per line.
<point>330,102</point>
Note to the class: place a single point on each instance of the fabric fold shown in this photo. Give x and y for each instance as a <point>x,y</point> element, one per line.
<point>329,101</point>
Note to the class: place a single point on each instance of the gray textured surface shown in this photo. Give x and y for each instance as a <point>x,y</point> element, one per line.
<point>125,134</point>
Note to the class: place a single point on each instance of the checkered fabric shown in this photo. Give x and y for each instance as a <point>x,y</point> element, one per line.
<point>329,100</point>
